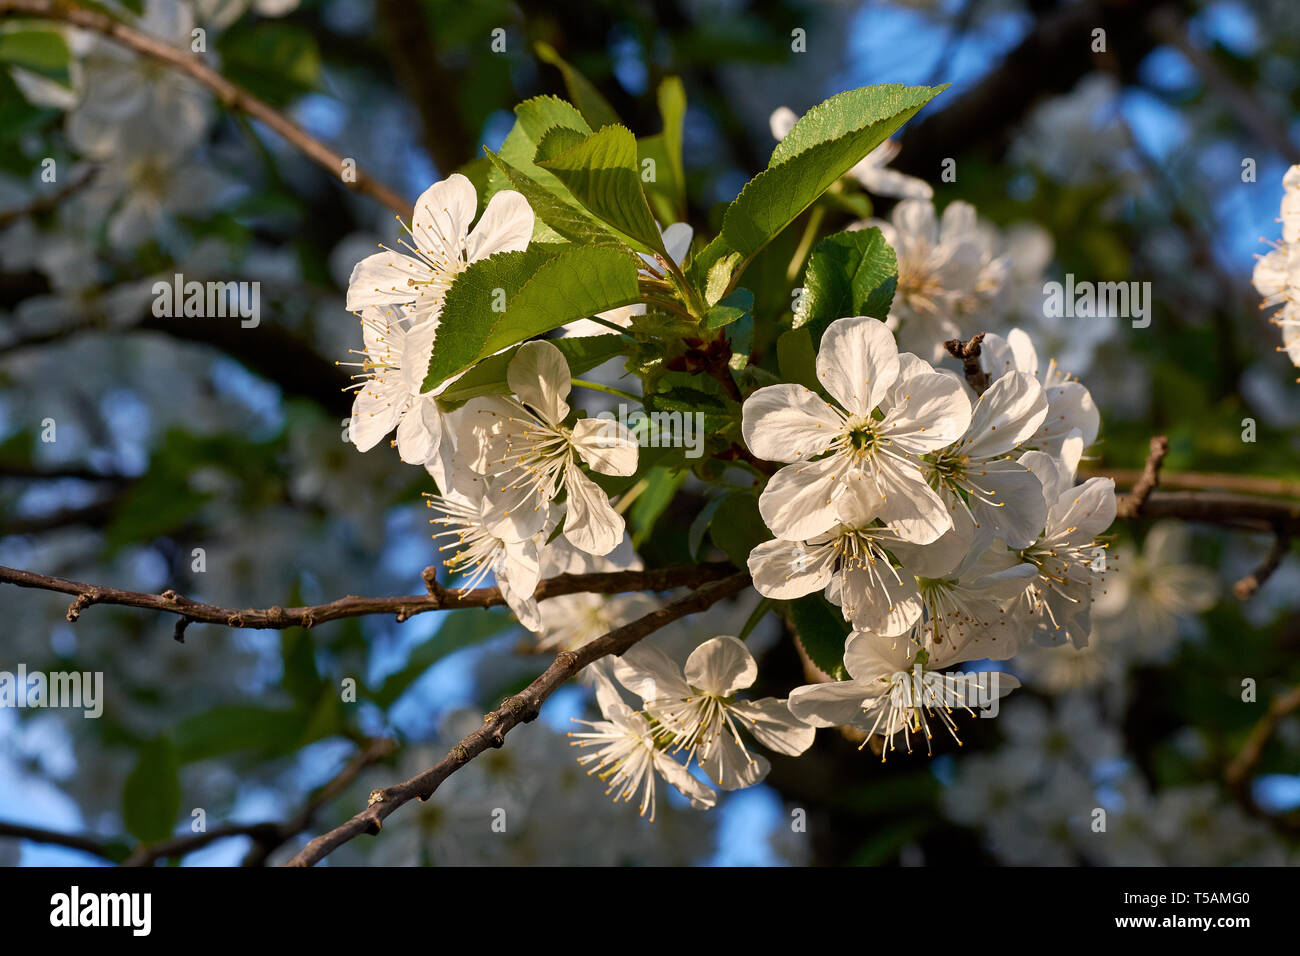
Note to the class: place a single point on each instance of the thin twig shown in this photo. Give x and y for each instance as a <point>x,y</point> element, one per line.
<point>1132,504</point>
<point>231,95</point>
<point>406,607</point>
<point>515,710</point>
<point>1245,588</point>
<point>1239,772</point>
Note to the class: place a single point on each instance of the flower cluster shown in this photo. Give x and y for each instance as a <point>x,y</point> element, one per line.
<point>692,710</point>
<point>947,526</point>
<point>1277,274</point>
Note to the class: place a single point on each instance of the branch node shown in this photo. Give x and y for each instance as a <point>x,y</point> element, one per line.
<point>1132,504</point>
<point>969,353</point>
<point>83,600</point>
<point>178,632</point>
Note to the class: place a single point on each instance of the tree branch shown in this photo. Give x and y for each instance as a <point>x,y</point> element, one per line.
<point>608,582</point>
<point>1242,768</point>
<point>84,843</point>
<point>234,97</point>
<point>1245,589</point>
<point>520,708</point>
<point>1132,504</point>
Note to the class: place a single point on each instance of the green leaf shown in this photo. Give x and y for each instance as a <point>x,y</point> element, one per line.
<point>235,728</point>
<point>566,219</point>
<point>822,630</point>
<point>151,798</point>
<point>700,526</point>
<point>595,108</point>
<point>732,308</point>
<point>39,51</point>
<point>849,273</point>
<point>488,377</point>
<point>557,141</point>
<point>601,172</point>
<point>543,287</point>
<point>824,145</point>
<point>672,107</point>
<point>661,485</point>
<point>796,357</point>
<point>458,630</point>
<point>737,527</point>
<point>533,118</point>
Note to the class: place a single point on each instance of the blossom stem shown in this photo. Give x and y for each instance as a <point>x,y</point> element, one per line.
<point>607,389</point>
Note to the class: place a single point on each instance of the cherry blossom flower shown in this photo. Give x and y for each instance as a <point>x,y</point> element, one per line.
<point>396,359</point>
<point>1069,404</point>
<point>894,688</point>
<point>944,271</point>
<point>857,446</point>
<point>442,246</point>
<point>464,511</point>
<point>976,474</point>
<point>697,710</point>
<point>533,456</point>
<point>1068,559</point>
<point>629,758</point>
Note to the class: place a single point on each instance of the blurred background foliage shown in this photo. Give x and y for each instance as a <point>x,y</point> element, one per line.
<point>174,435</point>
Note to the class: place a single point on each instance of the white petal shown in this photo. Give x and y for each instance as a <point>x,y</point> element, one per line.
<point>910,506</point>
<point>774,726</point>
<point>932,411</point>
<point>721,666</point>
<point>382,279</point>
<point>506,226</point>
<point>788,423</point>
<point>728,766</point>
<point>790,569</point>
<point>857,362</point>
<point>591,525</point>
<point>1004,416</point>
<point>1089,509</point>
<point>887,612</point>
<point>677,241</point>
<point>833,704</point>
<point>419,431</point>
<point>539,375</point>
<point>606,445</point>
<point>375,412</point>
<point>1018,510</point>
<point>799,500</point>
<point>442,216</point>
<point>651,674</point>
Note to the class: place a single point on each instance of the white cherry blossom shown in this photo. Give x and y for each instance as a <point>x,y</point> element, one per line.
<point>859,446</point>
<point>391,385</point>
<point>894,688</point>
<point>1068,560</point>
<point>628,757</point>
<point>1069,404</point>
<point>698,712</point>
<point>532,456</point>
<point>442,246</point>
<point>976,474</point>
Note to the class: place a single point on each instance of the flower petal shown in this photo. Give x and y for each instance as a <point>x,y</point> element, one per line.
<point>857,362</point>
<point>774,726</point>
<point>721,666</point>
<point>790,569</point>
<point>539,375</point>
<point>606,445</point>
<point>799,500</point>
<point>1004,416</point>
<point>506,226</point>
<point>591,525</point>
<point>442,216</point>
<point>788,423</point>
